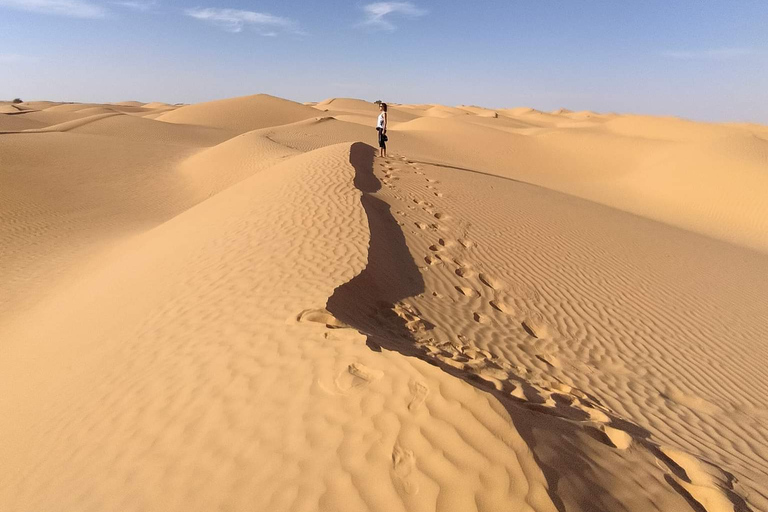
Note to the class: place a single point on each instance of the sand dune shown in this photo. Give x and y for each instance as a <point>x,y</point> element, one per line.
<point>51,116</point>
<point>130,103</point>
<point>13,123</point>
<point>12,109</point>
<point>157,104</point>
<point>235,306</point>
<point>479,111</point>
<point>71,107</point>
<point>348,104</point>
<point>225,164</point>
<point>359,111</point>
<point>135,128</point>
<point>241,114</point>
<point>602,163</point>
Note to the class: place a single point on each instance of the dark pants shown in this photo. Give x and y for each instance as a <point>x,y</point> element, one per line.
<point>382,142</point>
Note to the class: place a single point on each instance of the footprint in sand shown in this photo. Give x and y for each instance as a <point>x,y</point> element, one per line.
<point>361,371</point>
<point>464,272</point>
<point>420,225</point>
<point>499,305</point>
<point>403,463</point>
<point>618,438</point>
<point>320,316</point>
<point>441,216</point>
<point>462,262</point>
<point>467,244</point>
<point>535,326</point>
<point>494,377</point>
<point>525,291</point>
<point>419,392</point>
<point>480,318</point>
<point>438,194</point>
<point>490,282</point>
<point>549,360</point>
<point>699,482</point>
<point>433,260</point>
<point>467,292</point>
<point>357,375</point>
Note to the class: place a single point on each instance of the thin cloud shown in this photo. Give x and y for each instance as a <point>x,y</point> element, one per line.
<point>712,54</point>
<point>378,14</point>
<point>234,20</point>
<point>137,5</point>
<point>71,8</point>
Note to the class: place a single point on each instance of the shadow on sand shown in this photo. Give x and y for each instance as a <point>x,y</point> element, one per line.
<point>368,303</point>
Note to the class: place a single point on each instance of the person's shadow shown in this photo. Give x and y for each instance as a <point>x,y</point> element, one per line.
<point>366,301</point>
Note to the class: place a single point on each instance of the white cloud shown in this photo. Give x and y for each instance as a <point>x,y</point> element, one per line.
<point>713,54</point>
<point>377,14</point>
<point>137,5</point>
<point>71,8</point>
<point>234,20</point>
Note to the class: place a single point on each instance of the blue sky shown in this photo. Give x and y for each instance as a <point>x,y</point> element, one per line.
<point>692,58</point>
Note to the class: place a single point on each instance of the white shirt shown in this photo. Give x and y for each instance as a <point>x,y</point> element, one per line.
<point>380,122</point>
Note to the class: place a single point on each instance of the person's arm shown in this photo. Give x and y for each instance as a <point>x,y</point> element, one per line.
<point>385,122</point>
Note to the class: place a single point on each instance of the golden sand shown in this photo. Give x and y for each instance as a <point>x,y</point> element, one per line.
<point>235,306</point>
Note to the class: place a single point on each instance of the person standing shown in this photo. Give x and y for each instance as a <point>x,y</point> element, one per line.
<point>381,127</point>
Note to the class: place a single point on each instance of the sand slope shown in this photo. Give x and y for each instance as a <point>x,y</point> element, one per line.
<point>239,308</point>
<point>684,182</point>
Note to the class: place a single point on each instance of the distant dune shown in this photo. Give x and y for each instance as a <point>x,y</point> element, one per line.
<point>235,305</point>
<point>240,114</point>
<point>157,104</point>
<point>130,103</point>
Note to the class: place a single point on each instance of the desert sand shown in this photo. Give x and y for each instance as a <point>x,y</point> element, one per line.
<point>235,306</point>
